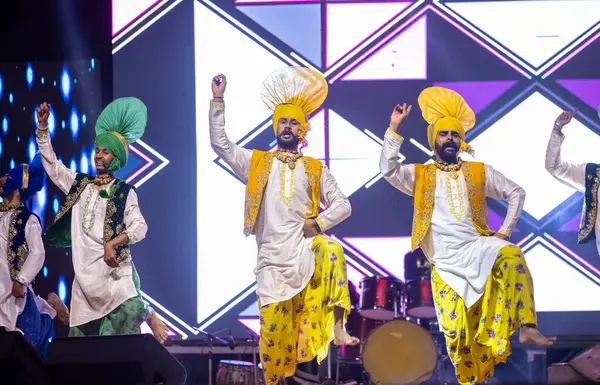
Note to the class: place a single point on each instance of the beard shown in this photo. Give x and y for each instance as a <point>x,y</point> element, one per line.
<point>449,157</point>
<point>288,144</point>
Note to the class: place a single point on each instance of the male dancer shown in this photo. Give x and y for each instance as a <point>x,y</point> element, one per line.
<point>583,177</point>
<point>301,273</point>
<point>482,288</point>
<point>99,220</point>
<point>23,255</point>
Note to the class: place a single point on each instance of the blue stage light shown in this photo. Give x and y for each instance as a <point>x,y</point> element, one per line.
<point>62,288</point>
<point>65,83</point>
<point>74,123</point>
<point>84,164</point>
<point>55,205</point>
<point>29,75</point>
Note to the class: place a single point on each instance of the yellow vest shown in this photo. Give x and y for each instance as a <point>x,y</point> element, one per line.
<point>258,176</point>
<point>425,180</point>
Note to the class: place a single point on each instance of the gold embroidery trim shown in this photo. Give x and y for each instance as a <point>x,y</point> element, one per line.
<point>586,228</point>
<point>217,105</point>
<point>72,198</point>
<point>396,136</point>
<point>287,199</point>
<point>423,205</point>
<point>254,198</point>
<point>477,202</point>
<point>22,251</point>
<point>457,213</point>
<point>321,224</point>
<point>25,182</point>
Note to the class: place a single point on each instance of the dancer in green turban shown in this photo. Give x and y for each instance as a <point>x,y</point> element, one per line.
<point>99,220</point>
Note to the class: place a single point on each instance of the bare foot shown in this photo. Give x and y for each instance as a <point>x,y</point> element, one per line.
<point>343,338</point>
<point>158,327</point>
<point>62,311</point>
<point>532,336</point>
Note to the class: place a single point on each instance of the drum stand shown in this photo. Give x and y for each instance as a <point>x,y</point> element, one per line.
<point>254,344</point>
<point>211,338</point>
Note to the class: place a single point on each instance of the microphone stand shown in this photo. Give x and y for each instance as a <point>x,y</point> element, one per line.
<point>211,338</point>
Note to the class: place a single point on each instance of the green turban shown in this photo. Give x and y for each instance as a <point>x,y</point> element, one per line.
<point>122,122</point>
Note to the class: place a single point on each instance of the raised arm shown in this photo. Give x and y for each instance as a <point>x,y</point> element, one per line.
<point>337,204</point>
<point>238,158</point>
<point>500,187</point>
<point>60,175</point>
<point>569,174</point>
<point>399,175</point>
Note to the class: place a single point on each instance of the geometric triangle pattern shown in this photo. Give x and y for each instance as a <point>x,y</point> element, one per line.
<point>479,94</point>
<point>349,24</point>
<point>404,57</point>
<point>526,129</point>
<point>538,29</point>
<point>513,138</point>
<point>573,225</point>
<point>244,82</point>
<point>353,155</point>
<point>126,11</point>
<point>274,1</point>
<point>584,89</point>
<point>389,252</point>
<point>276,19</point>
<point>566,296</point>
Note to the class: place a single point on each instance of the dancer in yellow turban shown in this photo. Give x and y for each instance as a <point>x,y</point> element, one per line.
<point>482,287</point>
<point>300,273</point>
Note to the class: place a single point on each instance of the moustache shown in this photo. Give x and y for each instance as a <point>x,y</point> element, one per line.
<point>450,144</point>
<point>287,131</point>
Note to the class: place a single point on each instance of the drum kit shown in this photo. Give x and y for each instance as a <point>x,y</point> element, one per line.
<point>400,339</point>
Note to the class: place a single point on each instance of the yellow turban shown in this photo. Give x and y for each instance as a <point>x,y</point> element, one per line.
<point>446,110</point>
<point>294,92</point>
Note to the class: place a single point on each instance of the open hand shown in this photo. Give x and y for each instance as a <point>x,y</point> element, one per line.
<point>110,255</point>
<point>42,114</point>
<point>564,119</point>
<point>311,228</point>
<point>399,115</point>
<point>18,290</point>
<point>219,83</point>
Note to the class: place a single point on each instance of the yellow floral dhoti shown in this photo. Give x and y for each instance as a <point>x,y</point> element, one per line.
<point>301,328</point>
<point>477,338</point>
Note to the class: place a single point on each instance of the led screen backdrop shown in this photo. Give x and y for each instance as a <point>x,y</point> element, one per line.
<point>72,89</point>
<point>518,64</point>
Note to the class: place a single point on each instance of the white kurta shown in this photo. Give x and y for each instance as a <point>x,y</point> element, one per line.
<point>462,257</point>
<point>570,174</point>
<point>98,288</point>
<point>11,307</point>
<point>285,262</point>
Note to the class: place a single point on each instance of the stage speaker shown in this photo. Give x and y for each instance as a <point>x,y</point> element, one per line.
<point>588,363</point>
<point>20,364</point>
<point>116,360</point>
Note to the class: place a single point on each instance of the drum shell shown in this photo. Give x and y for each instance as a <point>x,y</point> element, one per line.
<point>419,298</point>
<point>380,296</point>
<point>236,373</point>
